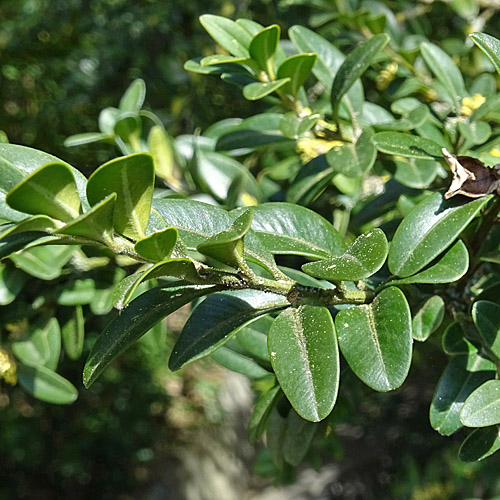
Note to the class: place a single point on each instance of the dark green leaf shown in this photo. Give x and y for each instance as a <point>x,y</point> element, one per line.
<point>464,374</point>
<point>15,242</point>
<point>376,339</point>
<point>238,363</point>
<point>411,146</point>
<point>429,229</point>
<point>297,69</point>
<point>298,437</point>
<point>260,414</point>
<point>486,316</point>
<point>219,318</point>
<point>415,173</point>
<point>263,46</point>
<point>135,320</point>
<point>304,355</point>
<point>157,246</point>
<point>362,259</point>
<point>481,443</point>
<point>454,341</point>
<point>428,318</point>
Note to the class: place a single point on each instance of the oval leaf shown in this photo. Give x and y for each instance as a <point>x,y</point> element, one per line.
<point>228,34</point>
<point>480,444</point>
<point>304,355</point>
<point>263,46</point>
<point>428,230</point>
<point>376,339</point>
<point>297,69</point>
<point>428,318</point>
<point>258,90</point>
<point>482,407</point>
<point>411,146</point>
<point>486,316</point>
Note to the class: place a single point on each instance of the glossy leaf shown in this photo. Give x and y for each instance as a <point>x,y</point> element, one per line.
<point>428,318</point>
<point>50,190</point>
<point>376,339</point>
<point>490,46</point>
<point>362,259</point>
<point>260,414</point>
<point>222,59</point>
<point>486,316</point>
<point>46,385</point>
<point>355,64</point>
<point>482,407</point>
<point>304,355</point>
<point>263,46</point>
<point>132,179</point>
<point>73,333</point>
<point>228,245</point>
<point>238,363</point>
<point>298,436</point>
<point>411,146</point>
<point>464,373</point>
<point>297,68</point>
<point>285,228</point>
<point>95,224</point>
<point>219,318</point>
<point>415,173</point>
<point>135,320</point>
<point>448,268</point>
<point>480,444</point>
<point>15,242</point>
<point>161,147</point>
<point>445,70</point>
<point>454,341</point>
<point>157,246</point>
<point>228,34</point>
<point>429,229</point>
<point>258,90</point>
<point>354,159</point>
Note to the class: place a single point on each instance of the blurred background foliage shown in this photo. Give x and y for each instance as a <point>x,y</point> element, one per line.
<point>61,62</point>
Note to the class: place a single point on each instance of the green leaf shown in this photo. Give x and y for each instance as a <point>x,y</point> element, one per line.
<point>221,59</point>
<point>428,229</point>
<point>415,173</point>
<point>50,190</point>
<point>135,320</point>
<point>354,159</point>
<point>297,68</point>
<point>480,444</point>
<point>263,46</point>
<point>77,292</point>
<point>454,341</point>
<point>95,224</point>
<point>475,132</point>
<point>88,138</point>
<point>161,147</point>
<point>133,98</point>
<point>285,228</point>
<point>228,34</point>
<point>157,246</point>
<point>253,338</point>
<point>228,245</point>
<point>260,414</point>
<point>327,64</point>
<point>42,348</point>
<point>15,242</point>
<point>482,407</point>
<point>73,333</point>
<point>428,318</point>
<point>464,374</point>
<point>376,339</point>
<point>298,436</point>
<point>304,355</point>
<point>411,120</point>
<point>46,385</point>
<point>486,316</point>
<point>132,179</point>
<point>355,64</point>
<point>445,70</point>
<point>293,126</point>
<point>35,223</point>
<point>219,318</point>
<point>16,162</point>
<point>362,259</point>
<point>44,262</point>
<point>411,146</point>
<point>258,90</point>
<point>490,46</point>
<point>238,363</point>
<point>448,268</point>
<point>12,281</point>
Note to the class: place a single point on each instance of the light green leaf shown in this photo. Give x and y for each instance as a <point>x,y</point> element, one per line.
<point>132,179</point>
<point>482,407</point>
<point>88,138</point>
<point>12,281</point>
<point>73,333</point>
<point>376,339</point>
<point>161,147</point>
<point>49,190</point>
<point>411,146</point>
<point>238,363</point>
<point>416,173</point>
<point>77,292</point>
<point>304,355</point>
<point>228,34</point>
<point>219,318</point>
<point>133,98</point>
<point>258,90</point>
<point>362,259</point>
<point>263,46</point>
<point>429,229</point>
<point>428,318</point>
<point>297,68</point>
<point>464,374</point>
<point>46,385</point>
<point>355,64</point>
<point>157,246</point>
